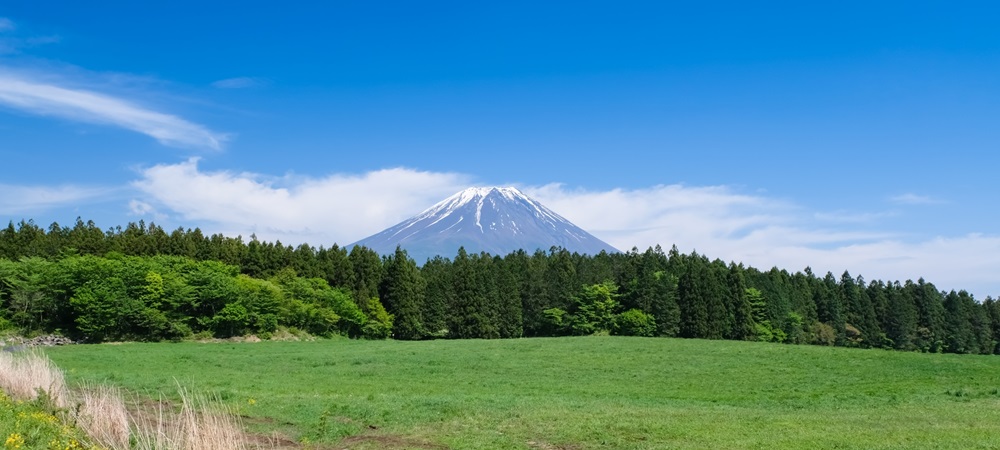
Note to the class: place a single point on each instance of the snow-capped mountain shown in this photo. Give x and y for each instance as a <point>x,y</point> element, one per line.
<point>496,220</point>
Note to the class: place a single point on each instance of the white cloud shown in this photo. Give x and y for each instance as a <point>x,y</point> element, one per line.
<point>322,211</point>
<point>717,221</point>
<point>30,199</point>
<point>240,83</point>
<point>6,24</point>
<point>764,232</point>
<point>140,208</point>
<point>24,93</point>
<point>914,199</point>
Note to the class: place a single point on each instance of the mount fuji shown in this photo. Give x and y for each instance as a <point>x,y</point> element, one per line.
<point>496,220</point>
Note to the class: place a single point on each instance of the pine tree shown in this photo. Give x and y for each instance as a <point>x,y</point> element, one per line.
<point>741,316</point>
<point>530,271</point>
<point>860,313</point>
<point>469,316</point>
<point>664,308</point>
<point>930,336</point>
<point>336,267</point>
<point>402,293</point>
<point>992,310</point>
<point>901,317</point>
<point>510,321</point>
<point>367,266</point>
<point>700,299</point>
<point>561,281</point>
<point>960,331</point>
<point>439,296</point>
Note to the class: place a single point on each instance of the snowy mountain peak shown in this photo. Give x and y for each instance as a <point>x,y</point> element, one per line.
<point>497,220</point>
<point>479,194</point>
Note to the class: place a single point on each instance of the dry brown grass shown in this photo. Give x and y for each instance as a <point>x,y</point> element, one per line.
<point>27,375</point>
<point>200,423</point>
<point>103,416</point>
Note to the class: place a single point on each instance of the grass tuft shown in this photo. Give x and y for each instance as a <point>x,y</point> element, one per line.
<point>41,408</point>
<point>29,376</point>
<point>103,416</point>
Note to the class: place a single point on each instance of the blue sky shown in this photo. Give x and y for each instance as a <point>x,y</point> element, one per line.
<point>853,136</point>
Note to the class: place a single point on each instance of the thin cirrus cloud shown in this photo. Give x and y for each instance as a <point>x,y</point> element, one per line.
<point>914,199</point>
<point>20,92</point>
<point>30,199</point>
<point>13,43</point>
<point>240,83</point>
<point>717,221</point>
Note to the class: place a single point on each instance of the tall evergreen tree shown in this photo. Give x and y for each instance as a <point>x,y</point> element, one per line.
<point>469,316</point>
<point>437,274</point>
<point>531,271</point>
<point>510,321</point>
<point>929,305</point>
<point>741,316</point>
<point>402,293</point>
<point>992,310</point>
<point>860,313</point>
<point>830,306</point>
<point>367,266</point>
<point>901,317</point>
<point>700,299</point>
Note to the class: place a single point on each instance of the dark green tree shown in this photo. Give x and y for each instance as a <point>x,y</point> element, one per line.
<point>402,293</point>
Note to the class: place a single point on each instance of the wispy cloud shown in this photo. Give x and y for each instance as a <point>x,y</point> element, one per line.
<point>23,93</point>
<point>16,199</point>
<point>12,42</point>
<point>240,83</point>
<point>914,199</point>
<point>853,217</point>
<point>719,221</point>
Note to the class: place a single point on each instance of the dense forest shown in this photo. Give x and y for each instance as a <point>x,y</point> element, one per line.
<point>143,283</point>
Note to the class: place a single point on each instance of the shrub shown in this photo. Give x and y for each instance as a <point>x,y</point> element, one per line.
<point>379,321</point>
<point>634,322</point>
<point>823,334</point>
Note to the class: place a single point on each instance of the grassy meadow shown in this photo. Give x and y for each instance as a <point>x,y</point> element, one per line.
<point>569,393</point>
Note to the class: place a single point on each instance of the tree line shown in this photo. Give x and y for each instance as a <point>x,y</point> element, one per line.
<point>143,283</point>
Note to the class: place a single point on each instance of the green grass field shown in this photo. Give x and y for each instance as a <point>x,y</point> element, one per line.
<point>571,393</point>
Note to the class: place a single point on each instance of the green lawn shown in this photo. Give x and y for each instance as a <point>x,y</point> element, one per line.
<point>572,393</point>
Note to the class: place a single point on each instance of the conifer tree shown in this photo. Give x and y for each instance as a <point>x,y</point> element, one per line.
<point>508,292</point>
<point>860,313</point>
<point>439,296</point>
<point>367,266</point>
<point>469,316</point>
<point>930,336</point>
<point>700,292</point>
<point>531,272</point>
<point>741,315</point>
<point>901,317</point>
<point>402,294</point>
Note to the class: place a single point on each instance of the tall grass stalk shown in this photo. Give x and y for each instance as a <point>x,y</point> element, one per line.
<point>102,412</point>
<point>103,416</point>
<point>27,376</point>
<point>200,424</point>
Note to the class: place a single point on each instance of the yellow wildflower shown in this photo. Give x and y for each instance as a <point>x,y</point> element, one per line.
<point>15,440</point>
